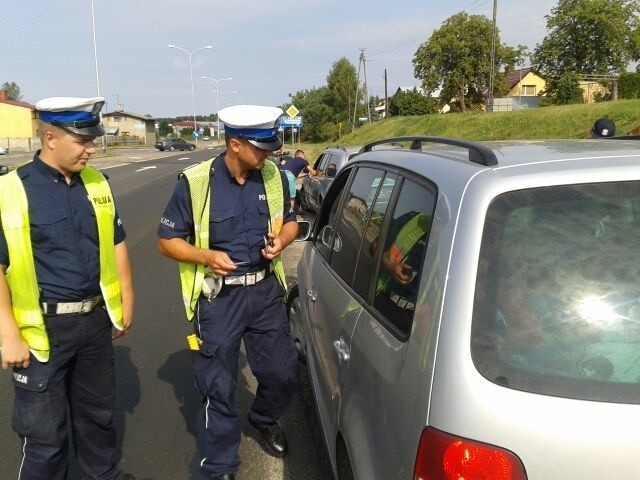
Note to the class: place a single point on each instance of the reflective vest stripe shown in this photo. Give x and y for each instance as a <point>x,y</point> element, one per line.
<point>198,178</point>
<point>191,274</point>
<point>101,198</point>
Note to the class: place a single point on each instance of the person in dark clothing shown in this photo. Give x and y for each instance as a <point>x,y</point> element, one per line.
<point>298,164</point>
<point>65,294</point>
<point>227,223</point>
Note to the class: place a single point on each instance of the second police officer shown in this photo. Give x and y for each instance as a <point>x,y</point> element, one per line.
<point>226,224</point>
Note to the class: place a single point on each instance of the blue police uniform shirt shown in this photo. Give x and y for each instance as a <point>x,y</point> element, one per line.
<point>295,165</point>
<point>238,215</point>
<point>64,234</point>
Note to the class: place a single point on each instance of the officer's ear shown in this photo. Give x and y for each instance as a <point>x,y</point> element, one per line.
<point>235,144</point>
<point>49,137</point>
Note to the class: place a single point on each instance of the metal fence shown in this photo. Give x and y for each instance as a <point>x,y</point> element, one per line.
<point>123,141</point>
<point>508,104</point>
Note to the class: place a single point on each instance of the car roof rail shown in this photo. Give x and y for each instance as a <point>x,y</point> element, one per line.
<point>623,137</point>
<point>340,147</point>
<point>478,153</point>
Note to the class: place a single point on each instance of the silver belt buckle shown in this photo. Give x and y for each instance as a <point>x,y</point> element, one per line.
<point>250,279</point>
<point>86,305</point>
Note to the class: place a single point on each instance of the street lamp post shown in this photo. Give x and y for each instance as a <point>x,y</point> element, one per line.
<point>193,96</point>
<point>95,56</point>
<point>217,80</point>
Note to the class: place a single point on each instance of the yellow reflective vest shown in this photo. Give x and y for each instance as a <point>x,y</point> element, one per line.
<point>21,274</point>
<point>198,178</point>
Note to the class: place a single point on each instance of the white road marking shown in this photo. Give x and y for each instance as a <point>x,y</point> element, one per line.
<point>184,158</point>
<point>114,166</point>
<point>145,168</point>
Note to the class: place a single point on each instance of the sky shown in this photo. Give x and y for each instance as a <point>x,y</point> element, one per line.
<point>269,48</point>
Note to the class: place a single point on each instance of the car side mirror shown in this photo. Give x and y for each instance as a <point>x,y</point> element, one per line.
<point>4,169</point>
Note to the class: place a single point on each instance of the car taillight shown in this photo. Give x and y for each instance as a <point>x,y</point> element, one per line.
<point>442,456</point>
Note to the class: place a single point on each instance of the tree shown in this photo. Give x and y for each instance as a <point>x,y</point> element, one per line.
<point>457,59</point>
<point>411,102</point>
<point>164,128</point>
<point>12,89</point>
<point>316,112</point>
<point>589,37</point>
<point>342,84</point>
<point>629,85</point>
<point>563,90</point>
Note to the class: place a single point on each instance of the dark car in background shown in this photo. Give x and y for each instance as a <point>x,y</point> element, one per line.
<point>328,164</point>
<point>172,144</point>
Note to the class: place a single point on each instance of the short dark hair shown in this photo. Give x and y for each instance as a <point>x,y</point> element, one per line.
<point>298,153</point>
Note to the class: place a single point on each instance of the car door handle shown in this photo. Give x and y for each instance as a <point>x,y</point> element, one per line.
<point>341,348</point>
<point>312,294</point>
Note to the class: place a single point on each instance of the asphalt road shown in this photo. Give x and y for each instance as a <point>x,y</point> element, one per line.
<point>157,406</point>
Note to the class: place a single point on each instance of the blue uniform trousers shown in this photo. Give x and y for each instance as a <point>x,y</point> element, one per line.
<point>256,315</point>
<point>73,389</point>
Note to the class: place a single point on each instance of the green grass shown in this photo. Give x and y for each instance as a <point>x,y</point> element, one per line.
<point>571,121</point>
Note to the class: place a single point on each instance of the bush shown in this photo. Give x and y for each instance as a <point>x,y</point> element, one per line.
<point>629,85</point>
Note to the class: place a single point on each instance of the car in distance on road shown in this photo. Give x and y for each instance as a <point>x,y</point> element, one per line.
<point>172,144</point>
<point>4,150</point>
<point>314,187</point>
<point>472,310</point>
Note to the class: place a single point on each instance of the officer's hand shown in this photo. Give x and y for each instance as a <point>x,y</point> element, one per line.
<point>403,273</point>
<point>273,246</point>
<point>127,321</point>
<point>220,263</point>
<point>14,353</point>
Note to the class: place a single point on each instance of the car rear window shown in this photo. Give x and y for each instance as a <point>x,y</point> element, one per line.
<point>557,300</point>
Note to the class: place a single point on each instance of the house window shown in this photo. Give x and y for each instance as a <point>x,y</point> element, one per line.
<point>528,90</point>
<point>117,119</point>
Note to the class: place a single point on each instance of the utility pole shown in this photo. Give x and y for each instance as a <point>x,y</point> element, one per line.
<point>366,89</point>
<point>493,54</point>
<point>362,62</point>
<point>355,104</point>
<point>386,96</point>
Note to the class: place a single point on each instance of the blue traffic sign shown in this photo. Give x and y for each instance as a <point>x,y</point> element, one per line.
<point>291,122</point>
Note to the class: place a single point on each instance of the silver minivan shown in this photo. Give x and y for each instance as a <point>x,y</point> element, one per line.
<point>472,311</point>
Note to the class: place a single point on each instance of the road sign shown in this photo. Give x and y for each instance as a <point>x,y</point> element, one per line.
<point>292,111</point>
<point>291,122</point>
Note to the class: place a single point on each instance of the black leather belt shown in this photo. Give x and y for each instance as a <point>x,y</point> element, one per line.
<point>81,306</point>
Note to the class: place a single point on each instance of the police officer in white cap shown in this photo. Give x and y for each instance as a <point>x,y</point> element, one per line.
<point>227,223</point>
<point>65,294</point>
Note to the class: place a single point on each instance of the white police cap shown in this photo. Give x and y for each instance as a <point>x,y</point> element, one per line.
<point>256,123</point>
<point>77,115</point>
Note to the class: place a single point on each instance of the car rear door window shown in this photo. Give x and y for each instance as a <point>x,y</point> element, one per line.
<point>402,258</point>
<point>557,300</point>
<point>366,259</point>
